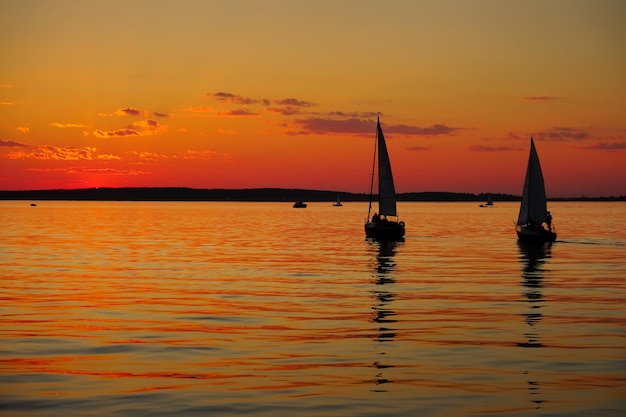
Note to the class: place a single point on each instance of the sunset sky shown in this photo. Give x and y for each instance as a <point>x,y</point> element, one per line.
<point>285,93</point>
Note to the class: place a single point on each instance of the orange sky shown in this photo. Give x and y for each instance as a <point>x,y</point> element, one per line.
<point>279,93</point>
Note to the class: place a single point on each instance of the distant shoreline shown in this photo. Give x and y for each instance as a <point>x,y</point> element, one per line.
<point>252,194</point>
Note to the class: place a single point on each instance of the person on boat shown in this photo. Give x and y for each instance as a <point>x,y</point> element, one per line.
<point>375,218</point>
<point>549,221</point>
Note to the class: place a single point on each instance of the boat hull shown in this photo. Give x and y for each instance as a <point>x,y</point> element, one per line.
<point>385,230</point>
<point>534,234</point>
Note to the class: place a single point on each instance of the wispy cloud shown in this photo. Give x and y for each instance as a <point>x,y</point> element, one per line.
<point>203,155</point>
<point>109,157</point>
<point>605,146</point>
<point>229,98</point>
<point>562,134</point>
<point>23,129</point>
<point>359,126</point>
<point>294,102</point>
<point>482,148</point>
<point>49,152</point>
<point>6,103</point>
<point>141,128</point>
<point>199,110</point>
<point>127,111</point>
<point>12,143</point>
<point>237,113</point>
<point>130,111</point>
<point>68,125</point>
<point>6,86</point>
<point>118,133</point>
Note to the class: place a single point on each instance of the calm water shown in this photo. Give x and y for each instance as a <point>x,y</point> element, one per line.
<point>163,309</point>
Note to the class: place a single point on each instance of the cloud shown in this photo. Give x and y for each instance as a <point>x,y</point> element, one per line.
<point>109,157</point>
<point>293,102</point>
<point>23,129</point>
<point>237,113</point>
<point>109,171</point>
<point>157,114</point>
<point>141,128</point>
<point>334,126</point>
<point>148,125</point>
<point>605,146</point>
<point>229,98</point>
<point>115,133</point>
<point>6,86</point>
<point>481,148</point>
<point>540,98</point>
<point>67,125</point>
<point>6,103</point>
<point>149,156</point>
<point>203,155</point>
<point>49,152</point>
<point>199,110</point>
<point>12,143</point>
<point>130,111</point>
<point>434,130</point>
<point>562,134</point>
<point>359,126</point>
<point>285,111</point>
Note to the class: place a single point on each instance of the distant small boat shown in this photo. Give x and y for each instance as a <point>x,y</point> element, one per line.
<point>299,204</point>
<point>338,203</point>
<point>533,212</point>
<point>489,202</point>
<point>33,205</point>
<point>379,226</point>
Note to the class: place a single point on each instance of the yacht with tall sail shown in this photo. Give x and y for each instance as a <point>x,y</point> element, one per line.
<point>379,226</point>
<point>533,212</point>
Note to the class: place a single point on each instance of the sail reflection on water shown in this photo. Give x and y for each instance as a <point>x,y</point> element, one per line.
<point>533,259</point>
<point>383,315</point>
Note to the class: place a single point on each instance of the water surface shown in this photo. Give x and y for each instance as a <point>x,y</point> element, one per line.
<point>162,309</point>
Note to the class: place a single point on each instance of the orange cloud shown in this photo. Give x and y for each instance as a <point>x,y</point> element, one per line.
<point>237,113</point>
<point>11,143</point>
<point>115,133</point>
<point>140,128</point>
<point>49,152</point>
<point>67,125</point>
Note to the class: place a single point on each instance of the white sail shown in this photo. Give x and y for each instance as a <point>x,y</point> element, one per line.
<point>386,190</point>
<point>533,208</point>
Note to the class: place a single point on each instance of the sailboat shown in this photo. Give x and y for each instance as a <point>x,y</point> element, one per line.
<point>533,212</point>
<point>489,201</point>
<point>378,226</point>
<point>338,203</point>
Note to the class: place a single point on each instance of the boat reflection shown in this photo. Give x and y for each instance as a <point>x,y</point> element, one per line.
<point>533,259</point>
<point>382,313</point>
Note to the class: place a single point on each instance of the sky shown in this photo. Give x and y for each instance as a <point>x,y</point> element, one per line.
<point>283,93</point>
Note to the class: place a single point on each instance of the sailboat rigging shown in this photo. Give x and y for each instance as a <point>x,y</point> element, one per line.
<point>533,213</point>
<point>379,226</point>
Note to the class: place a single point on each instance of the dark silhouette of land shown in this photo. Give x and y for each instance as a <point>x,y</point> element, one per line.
<point>249,194</point>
